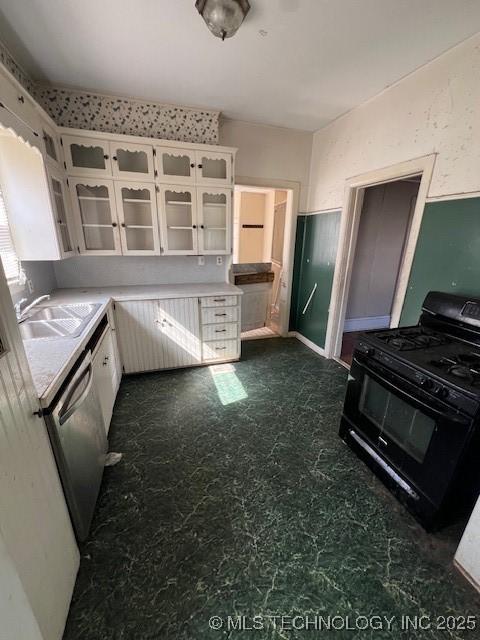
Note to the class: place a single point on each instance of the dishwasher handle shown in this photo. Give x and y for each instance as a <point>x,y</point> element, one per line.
<point>66,411</point>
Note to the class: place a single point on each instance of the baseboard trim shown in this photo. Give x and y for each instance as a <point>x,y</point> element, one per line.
<point>311,345</point>
<point>466,575</point>
<point>364,324</point>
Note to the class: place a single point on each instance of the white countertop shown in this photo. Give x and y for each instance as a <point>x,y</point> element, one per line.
<point>51,360</point>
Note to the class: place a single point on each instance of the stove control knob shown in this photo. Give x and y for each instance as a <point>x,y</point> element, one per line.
<point>426,383</point>
<point>441,392</point>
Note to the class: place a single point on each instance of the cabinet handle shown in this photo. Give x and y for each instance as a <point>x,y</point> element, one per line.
<point>200,166</point>
<point>192,165</point>
<point>21,99</point>
<point>220,348</point>
<point>219,315</point>
<point>114,224</point>
<point>114,158</point>
<point>220,330</point>
<point>202,226</point>
<point>124,225</point>
<point>106,157</point>
<point>219,299</point>
<point>194,226</point>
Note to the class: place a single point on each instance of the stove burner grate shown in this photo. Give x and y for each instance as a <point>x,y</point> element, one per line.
<point>464,365</point>
<point>412,339</point>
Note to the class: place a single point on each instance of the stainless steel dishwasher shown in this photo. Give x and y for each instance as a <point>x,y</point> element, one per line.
<point>77,433</point>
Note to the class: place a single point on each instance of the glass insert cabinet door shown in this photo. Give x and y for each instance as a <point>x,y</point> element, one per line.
<point>59,199</point>
<point>132,161</point>
<point>94,205</point>
<point>137,216</point>
<point>175,166</point>
<point>214,221</point>
<point>87,156</point>
<point>50,143</point>
<point>178,220</point>
<point>213,168</point>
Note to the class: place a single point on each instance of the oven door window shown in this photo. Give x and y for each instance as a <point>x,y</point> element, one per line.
<point>396,420</point>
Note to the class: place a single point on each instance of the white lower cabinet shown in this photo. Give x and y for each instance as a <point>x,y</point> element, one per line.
<point>167,334</point>
<point>158,334</point>
<point>106,375</point>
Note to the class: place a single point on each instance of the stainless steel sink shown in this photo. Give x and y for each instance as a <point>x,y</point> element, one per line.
<point>63,321</point>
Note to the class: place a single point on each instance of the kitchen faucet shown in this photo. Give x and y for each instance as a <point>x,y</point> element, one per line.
<point>22,315</point>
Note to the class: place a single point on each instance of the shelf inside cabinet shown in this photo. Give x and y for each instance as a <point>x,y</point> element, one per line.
<point>93,198</point>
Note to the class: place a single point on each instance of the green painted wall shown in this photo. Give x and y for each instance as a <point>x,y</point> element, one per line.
<point>447,257</point>
<point>297,262</point>
<point>315,254</point>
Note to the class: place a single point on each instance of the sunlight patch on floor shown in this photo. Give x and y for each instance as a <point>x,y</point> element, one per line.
<point>229,387</point>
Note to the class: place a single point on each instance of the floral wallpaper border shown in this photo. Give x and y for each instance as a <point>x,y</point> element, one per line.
<point>111,114</point>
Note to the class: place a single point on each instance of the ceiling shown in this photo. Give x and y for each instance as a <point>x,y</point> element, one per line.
<point>293,63</point>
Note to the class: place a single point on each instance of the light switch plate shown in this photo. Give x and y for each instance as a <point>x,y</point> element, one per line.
<point>219,260</point>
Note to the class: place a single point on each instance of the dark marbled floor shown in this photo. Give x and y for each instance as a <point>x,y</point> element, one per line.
<point>251,507</point>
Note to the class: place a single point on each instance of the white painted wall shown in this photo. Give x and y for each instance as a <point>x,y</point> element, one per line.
<point>269,152</point>
<point>105,271</point>
<point>433,110</point>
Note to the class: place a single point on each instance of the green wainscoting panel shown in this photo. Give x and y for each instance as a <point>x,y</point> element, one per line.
<point>317,240</point>
<point>297,267</point>
<point>447,257</point>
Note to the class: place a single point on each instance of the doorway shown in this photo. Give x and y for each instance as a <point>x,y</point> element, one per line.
<point>261,257</point>
<point>384,225</point>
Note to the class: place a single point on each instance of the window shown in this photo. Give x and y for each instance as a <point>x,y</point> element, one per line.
<point>11,264</point>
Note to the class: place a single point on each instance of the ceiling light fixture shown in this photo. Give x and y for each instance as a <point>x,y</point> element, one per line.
<point>223,17</point>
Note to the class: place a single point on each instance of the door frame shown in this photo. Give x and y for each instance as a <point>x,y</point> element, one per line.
<point>349,224</point>
<point>293,202</point>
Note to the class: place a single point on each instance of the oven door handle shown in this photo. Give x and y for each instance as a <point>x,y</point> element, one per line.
<point>458,418</point>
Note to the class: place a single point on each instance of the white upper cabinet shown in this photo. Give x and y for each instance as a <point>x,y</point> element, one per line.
<point>51,145</point>
<point>176,165</point>
<point>95,215</point>
<point>177,208</point>
<point>36,202</point>
<point>214,168</point>
<point>61,209</point>
<point>132,161</point>
<point>137,215</point>
<point>87,156</point>
<point>214,208</point>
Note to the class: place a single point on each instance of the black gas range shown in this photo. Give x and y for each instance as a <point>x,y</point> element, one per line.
<point>412,408</point>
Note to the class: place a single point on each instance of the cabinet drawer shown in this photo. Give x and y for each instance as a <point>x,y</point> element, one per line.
<point>220,331</point>
<point>219,315</point>
<point>219,301</point>
<point>220,350</point>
